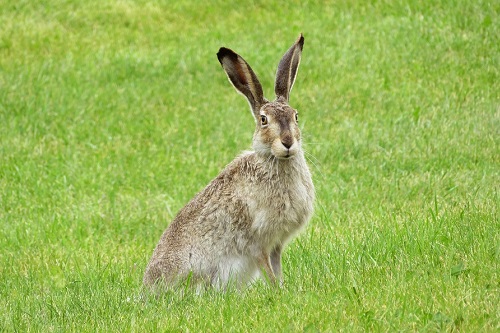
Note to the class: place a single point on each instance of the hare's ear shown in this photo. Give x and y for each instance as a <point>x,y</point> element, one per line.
<point>242,77</point>
<point>287,70</point>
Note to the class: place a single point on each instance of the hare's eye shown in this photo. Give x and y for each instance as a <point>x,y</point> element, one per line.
<point>297,117</point>
<point>263,120</point>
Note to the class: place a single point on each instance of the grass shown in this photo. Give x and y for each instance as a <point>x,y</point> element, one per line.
<point>114,114</point>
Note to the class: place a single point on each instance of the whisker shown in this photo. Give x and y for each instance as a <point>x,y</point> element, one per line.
<point>313,143</point>
<point>311,155</point>
<point>310,158</point>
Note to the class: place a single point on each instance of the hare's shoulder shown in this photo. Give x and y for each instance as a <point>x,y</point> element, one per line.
<point>224,186</point>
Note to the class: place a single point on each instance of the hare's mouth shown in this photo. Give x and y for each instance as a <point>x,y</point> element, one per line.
<point>285,156</point>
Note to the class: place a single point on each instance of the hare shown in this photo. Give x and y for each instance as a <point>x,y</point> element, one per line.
<point>234,231</point>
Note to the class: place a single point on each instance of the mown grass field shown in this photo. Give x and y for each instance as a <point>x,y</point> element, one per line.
<point>113,114</point>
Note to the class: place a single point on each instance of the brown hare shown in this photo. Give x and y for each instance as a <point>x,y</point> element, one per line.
<point>235,229</point>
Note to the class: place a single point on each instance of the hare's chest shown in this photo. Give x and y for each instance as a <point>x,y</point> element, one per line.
<point>279,214</point>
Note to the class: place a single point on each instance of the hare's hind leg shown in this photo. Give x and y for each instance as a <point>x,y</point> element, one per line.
<point>153,274</point>
<point>162,273</point>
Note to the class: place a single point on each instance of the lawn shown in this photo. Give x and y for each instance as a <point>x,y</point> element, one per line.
<point>113,114</point>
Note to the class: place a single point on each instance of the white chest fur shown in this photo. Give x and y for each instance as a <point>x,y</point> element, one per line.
<point>281,206</point>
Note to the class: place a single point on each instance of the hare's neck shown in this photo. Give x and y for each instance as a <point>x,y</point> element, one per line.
<point>281,168</point>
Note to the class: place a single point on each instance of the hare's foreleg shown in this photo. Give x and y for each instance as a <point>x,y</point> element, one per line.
<point>276,263</point>
<point>264,263</point>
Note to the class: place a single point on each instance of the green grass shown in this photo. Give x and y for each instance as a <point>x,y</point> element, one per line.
<point>114,114</point>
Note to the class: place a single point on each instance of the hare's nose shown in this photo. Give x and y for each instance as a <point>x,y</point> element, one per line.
<point>287,139</point>
<point>287,144</point>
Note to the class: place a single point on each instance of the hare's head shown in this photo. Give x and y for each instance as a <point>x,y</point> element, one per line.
<point>276,129</point>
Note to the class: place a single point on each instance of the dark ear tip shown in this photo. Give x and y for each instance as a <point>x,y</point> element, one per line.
<point>224,52</point>
<point>300,40</point>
